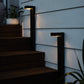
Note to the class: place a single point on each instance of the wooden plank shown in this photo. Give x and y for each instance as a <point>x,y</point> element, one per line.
<point>10,44</point>
<point>41,75</point>
<point>20,60</point>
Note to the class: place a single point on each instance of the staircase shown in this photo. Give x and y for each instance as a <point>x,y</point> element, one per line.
<point>18,63</point>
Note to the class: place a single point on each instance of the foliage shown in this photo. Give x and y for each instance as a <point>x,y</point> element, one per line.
<point>13,11</point>
<point>78,76</point>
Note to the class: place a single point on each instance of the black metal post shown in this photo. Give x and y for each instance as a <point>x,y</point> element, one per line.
<point>32,27</point>
<point>61,56</point>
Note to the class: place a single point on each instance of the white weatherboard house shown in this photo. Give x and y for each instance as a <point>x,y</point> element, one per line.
<point>57,16</point>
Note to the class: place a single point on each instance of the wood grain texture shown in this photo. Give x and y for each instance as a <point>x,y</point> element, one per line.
<point>15,43</point>
<point>10,31</point>
<point>20,60</point>
<point>18,63</point>
<point>41,75</point>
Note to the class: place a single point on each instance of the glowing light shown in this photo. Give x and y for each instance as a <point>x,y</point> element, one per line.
<point>57,36</point>
<point>28,8</point>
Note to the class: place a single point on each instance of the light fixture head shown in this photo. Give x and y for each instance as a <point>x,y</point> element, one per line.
<point>57,34</point>
<point>29,7</point>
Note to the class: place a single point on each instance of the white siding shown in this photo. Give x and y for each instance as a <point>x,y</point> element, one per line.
<point>14,2</point>
<point>62,19</point>
<point>50,18</point>
<point>49,5</point>
<point>71,37</point>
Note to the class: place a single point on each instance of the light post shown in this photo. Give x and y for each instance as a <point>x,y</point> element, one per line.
<point>32,25</point>
<point>61,55</point>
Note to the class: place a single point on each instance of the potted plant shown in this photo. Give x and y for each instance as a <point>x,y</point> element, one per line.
<point>78,76</point>
<point>13,15</point>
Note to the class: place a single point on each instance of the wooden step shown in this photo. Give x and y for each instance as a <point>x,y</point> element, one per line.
<point>16,60</point>
<point>10,30</point>
<point>41,75</point>
<point>15,43</point>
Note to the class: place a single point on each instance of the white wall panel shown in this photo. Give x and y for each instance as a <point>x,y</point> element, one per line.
<point>49,5</point>
<point>26,33</point>
<point>51,65</point>
<point>71,37</point>
<point>61,19</point>
<point>26,22</point>
<point>73,18</point>
<point>24,0</point>
<point>51,53</point>
<point>20,3</point>
<point>70,56</point>
<point>27,3</point>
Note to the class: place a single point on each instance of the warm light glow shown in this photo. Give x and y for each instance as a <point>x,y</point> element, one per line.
<point>13,21</point>
<point>56,36</point>
<point>28,8</point>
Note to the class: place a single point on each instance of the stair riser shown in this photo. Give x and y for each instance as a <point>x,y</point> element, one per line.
<point>15,44</point>
<point>10,31</point>
<point>21,62</point>
<point>11,34</point>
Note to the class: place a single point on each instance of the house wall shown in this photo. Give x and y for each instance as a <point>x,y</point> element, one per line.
<point>57,16</point>
<point>11,2</point>
<point>14,2</point>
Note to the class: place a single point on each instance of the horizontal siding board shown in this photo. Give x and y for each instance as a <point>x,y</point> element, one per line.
<point>70,56</point>
<point>71,37</point>
<point>26,22</point>
<point>26,33</point>
<point>20,3</point>
<point>50,52</point>
<point>24,0</point>
<point>51,65</point>
<point>25,3</point>
<point>67,21</point>
<point>61,19</point>
<point>50,5</point>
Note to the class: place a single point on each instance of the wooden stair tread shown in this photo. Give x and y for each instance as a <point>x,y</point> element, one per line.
<point>12,53</point>
<point>25,73</point>
<point>18,63</point>
<point>13,37</point>
<point>16,60</point>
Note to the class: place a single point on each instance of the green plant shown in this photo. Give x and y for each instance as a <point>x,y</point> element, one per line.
<point>13,11</point>
<point>78,76</point>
